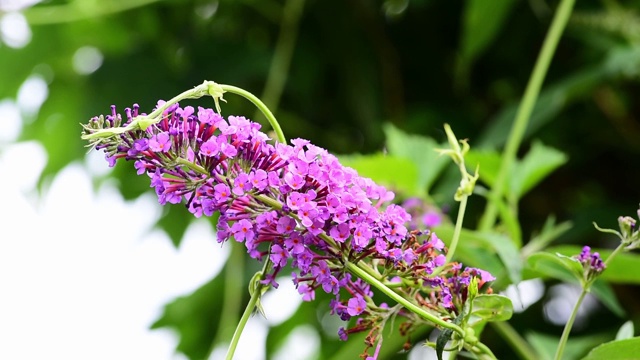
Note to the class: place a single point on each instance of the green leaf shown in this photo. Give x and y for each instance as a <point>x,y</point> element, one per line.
<point>492,307</point>
<point>420,150</point>
<point>488,162</point>
<point>556,266</point>
<point>564,268</point>
<point>476,248</point>
<point>626,331</point>
<point>445,336</point>
<point>626,349</point>
<point>576,346</point>
<point>501,245</point>
<point>550,231</point>
<point>539,162</point>
<point>623,269</point>
<point>604,292</point>
<point>482,21</point>
<point>394,172</point>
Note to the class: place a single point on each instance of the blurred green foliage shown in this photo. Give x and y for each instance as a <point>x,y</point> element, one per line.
<point>357,77</point>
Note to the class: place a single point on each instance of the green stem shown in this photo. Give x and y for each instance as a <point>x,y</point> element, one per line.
<point>485,352</point>
<point>241,324</point>
<point>192,166</point>
<point>278,72</point>
<point>206,88</point>
<point>514,339</point>
<point>261,106</point>
<point>458,229</point>
<point>614,253</point>
<point>362,274</point>
<point>567,327</point>
<point>525,109</point>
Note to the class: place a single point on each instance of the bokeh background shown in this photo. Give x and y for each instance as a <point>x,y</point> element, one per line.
<point>88,260</point>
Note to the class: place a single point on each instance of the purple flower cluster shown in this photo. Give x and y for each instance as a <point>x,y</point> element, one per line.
<point>591,262</point>
<point>295,204</point>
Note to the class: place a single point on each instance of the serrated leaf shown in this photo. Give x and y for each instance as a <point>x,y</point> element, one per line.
<point>538,163</point>
<point>420,150</point>
<point>492,307</point>
<point>626,349</point>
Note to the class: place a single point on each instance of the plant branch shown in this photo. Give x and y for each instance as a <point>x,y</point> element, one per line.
<point>525,109</point>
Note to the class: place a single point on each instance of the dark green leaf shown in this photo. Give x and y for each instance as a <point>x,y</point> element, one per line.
<point>195,318</point>
<point>445,336</point>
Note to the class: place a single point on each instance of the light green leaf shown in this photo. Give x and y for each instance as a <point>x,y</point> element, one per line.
<point>577,346</point>
<point>488,161</point>
<point>392,171</point>
<point>501,245</point>
<point>623,269</point>
<point>492,307</point>
<point>626,349</point>
<point>421,151</point>
<point>539,162</point>
<point>507,251</point>
<point>549,232</point>
<point>564,268</point>
<point>556,266</point>
<point>626,331</point>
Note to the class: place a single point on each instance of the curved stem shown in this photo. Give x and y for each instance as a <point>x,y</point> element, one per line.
<point>525,109</point>
<point>261,106</point>
<point>484,350</point>
<point>458,229</point>
<point>241,324</point>
<point>567,327</point>
<point>514,339</point>
<point>356,270</point>
<point>613,254</point>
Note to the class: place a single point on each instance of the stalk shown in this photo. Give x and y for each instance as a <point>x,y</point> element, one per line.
<point>569,325</point>
<point>525,109</point>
